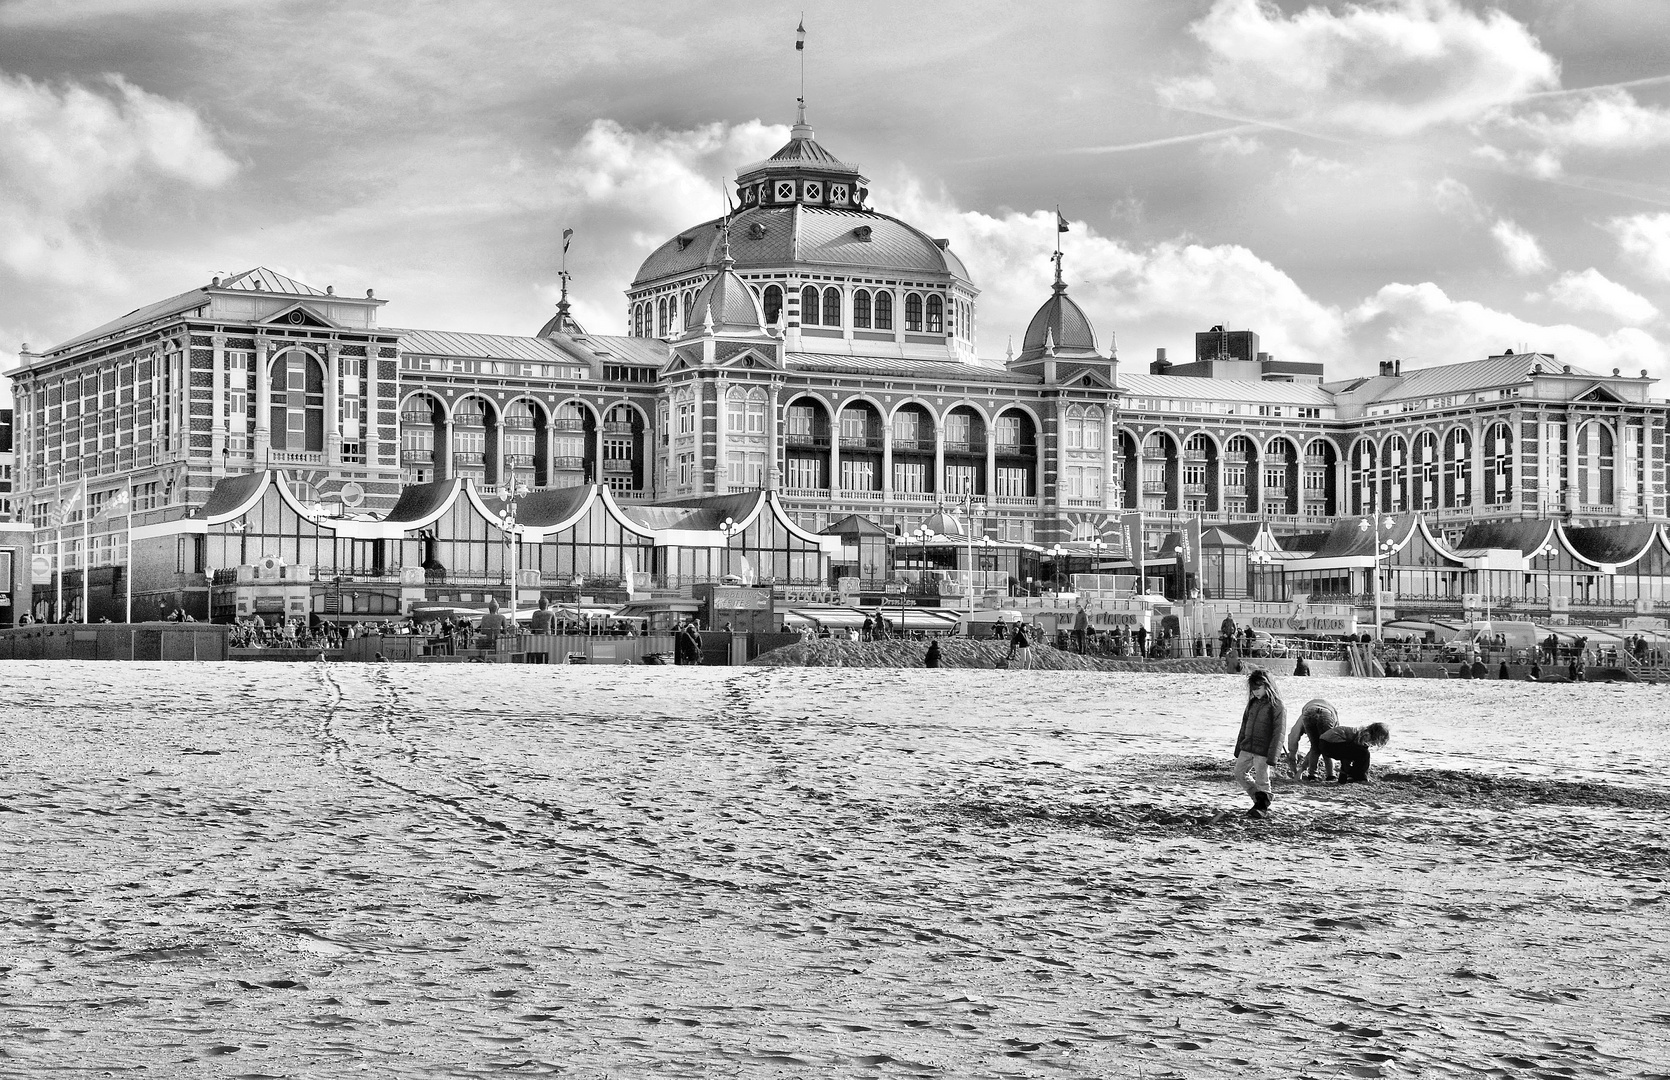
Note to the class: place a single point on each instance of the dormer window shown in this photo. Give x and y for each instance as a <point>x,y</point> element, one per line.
<point>838,194</point>
<point>757,230</point>
<point>863,233</point>
<point>814,191</point>
<point>685,241</point>
<point>785,191</point>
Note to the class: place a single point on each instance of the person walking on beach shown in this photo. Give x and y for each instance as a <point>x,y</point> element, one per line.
<point>1259,742</point>
<point>931,657</point>
<point>1228,632</point>
<point>1020,646</point>
<point>1081,629</point>
<point>1316,719</point>
<point>1350,747</point>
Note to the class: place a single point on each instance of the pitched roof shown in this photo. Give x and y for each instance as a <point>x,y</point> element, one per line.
<point>1188,386</point>
<point>945,371</point>
<point>1508,369</point>
<point>261,279</point>
<point>484,346</point>
<point>1525,536</point>
<point>174,305</point>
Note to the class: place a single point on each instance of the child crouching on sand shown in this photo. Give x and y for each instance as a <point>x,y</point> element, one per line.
<point>1259,743</point>
<point>1350,747</point>
<point>1316,718</point>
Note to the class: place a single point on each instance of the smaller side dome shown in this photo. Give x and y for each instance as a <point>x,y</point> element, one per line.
<point>1060,326</point>
<point>726,304</point>
<point>945,524</point>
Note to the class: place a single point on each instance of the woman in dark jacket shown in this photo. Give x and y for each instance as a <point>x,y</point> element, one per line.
<point>1263,723</point>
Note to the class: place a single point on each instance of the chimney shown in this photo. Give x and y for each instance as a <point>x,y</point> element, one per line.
<point>1385,367</point>
<point>1160,366</point>
<point>1397,366</point>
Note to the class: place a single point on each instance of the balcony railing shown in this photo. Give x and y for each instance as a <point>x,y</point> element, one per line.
<point>622,465</point>
<point>915,496</point>
<point>913,446</point>
<point>1025,450</point>
<point>417,457</point>
<point>296,457</point>
<point>965,447</point>
<point>861,494</point>
<point>806,438</point>
<point>616,427</point>
<point>1194,489</point>
<point>467,458</point>
<point>568,425</point>
<point>860,442</point>
<point>805,493</point>
<point>568,464</point>
<point>1014,500</point>
<point>518,461</point>
<point>1155,487</point>
<point>1233,491</point>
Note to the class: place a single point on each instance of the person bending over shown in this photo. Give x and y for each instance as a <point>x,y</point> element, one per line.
<point>1350,747</point>
<point>1259,741</point>
<point>1316,718</point>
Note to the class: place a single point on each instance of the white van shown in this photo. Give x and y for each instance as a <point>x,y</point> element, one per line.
<point>1514,635</point>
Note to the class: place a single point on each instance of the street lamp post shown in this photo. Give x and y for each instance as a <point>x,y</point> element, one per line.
<point>1055,552</point>
<point>1381,547</point>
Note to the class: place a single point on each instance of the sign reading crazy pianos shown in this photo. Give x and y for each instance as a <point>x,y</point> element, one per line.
<point>1304,617</point>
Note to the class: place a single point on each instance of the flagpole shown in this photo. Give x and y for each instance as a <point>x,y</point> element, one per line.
<point>86,559</point>
<point>58,558</point>
<point>127,572</point>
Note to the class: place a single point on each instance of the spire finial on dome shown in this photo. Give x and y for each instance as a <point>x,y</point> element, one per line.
<point>1060,286</point>
<point>1049,342</point>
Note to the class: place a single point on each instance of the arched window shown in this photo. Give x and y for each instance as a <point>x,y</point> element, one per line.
<point>1395,476</point>
<point>913,312</point>
<point>808,306</point>
<point>773,304</point>
<point>884,311</point>
<point>1426,470</point>
<point>1498,464</point>
<point>1073,429</point>
<point>661,317</point>
<point>832,307</point>
<point>519,437</point>
<point>1093,428</point>
<point>298,402</point>
<point>936,315</point>
<point>1458,467</point>
<point>690,302</point>
<point>1596,464</point>
<point>1364,462</point>
<point>861,309</point>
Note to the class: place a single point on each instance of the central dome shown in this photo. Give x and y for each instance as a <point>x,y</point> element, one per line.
<point>767,238</point>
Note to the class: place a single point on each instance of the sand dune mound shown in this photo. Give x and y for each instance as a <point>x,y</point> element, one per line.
<point>959,653</point>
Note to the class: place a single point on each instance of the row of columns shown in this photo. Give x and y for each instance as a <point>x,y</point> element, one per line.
<point>443,450</point>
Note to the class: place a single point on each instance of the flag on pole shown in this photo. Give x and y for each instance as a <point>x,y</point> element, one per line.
<point>800,36</point>
<point>61,513</point>
<point>567,235</point>
<point>116,504</point>
<point>1060,222</point>
<point>1130,534</point>
<point>1188,557</point>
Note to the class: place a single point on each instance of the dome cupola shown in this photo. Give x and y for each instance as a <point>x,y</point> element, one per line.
<point>725,305</point>
<point>803,173</point>
<point>1060,328</point>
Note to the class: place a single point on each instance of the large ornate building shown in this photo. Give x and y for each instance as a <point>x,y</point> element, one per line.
<point>813,348</point>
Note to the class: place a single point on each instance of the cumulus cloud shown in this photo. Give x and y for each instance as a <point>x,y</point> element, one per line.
<point>1160,294</point>
<point>1606,120</point>
<point>1593,291</point>
<point>1422,321</point>
<point>1645,239</point>
<point>64,151</point>
<point>1520,249</point>
<point>1388,69</point>
<point>1152,295</point>
<point>627,191</point>
<point>1455,199</point>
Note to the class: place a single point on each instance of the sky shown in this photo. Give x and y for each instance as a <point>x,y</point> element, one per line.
<point>1432,180</point>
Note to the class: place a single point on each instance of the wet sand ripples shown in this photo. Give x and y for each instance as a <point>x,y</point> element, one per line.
<point>321,871</point>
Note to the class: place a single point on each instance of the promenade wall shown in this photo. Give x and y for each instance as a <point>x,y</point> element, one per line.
<point>114,641</point>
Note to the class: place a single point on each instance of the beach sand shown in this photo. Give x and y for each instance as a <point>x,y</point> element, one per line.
<point>327,871</point>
